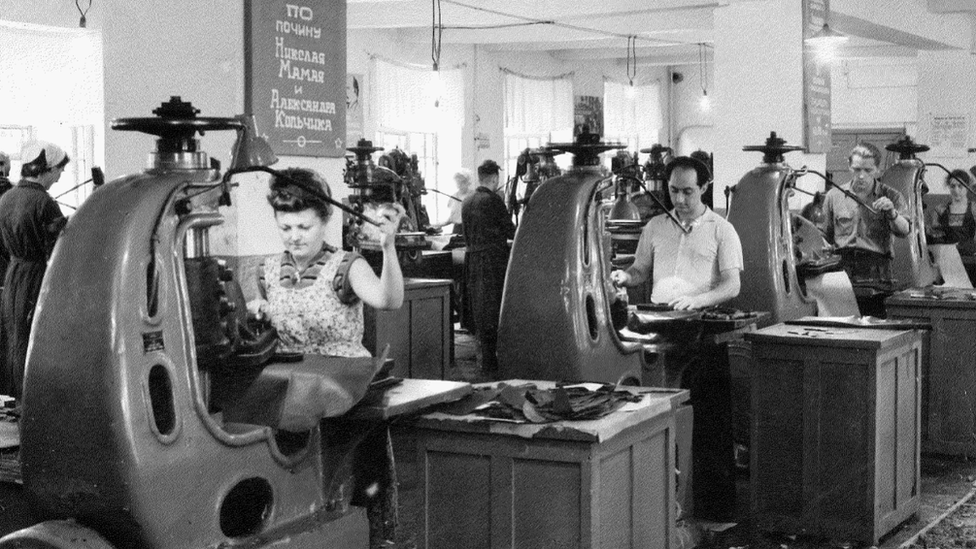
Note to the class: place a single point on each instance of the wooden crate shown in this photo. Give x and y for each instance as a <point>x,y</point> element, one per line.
<point>420,333</point>
<point>835,430</point>
<point>948,375</point>
<point>602,484</point>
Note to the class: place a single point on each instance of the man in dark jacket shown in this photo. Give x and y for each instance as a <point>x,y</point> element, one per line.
<point>487,227</point>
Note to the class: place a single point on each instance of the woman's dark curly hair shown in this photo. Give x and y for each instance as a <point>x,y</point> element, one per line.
<point>300,189</point>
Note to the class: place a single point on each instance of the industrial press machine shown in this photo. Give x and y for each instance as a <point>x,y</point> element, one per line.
<point>155,413</point>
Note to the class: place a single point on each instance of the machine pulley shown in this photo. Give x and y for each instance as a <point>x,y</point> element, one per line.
<point>773,149</point>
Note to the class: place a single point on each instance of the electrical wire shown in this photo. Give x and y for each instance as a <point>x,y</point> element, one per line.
<point>631,58</point>
<point>499,26</point>
<point>436,32</point>
<point>569,26</point>
<point>702,73</point>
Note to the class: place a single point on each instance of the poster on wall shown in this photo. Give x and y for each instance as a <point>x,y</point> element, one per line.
<point>295,72</point>
<point>949,134</point>
<point>354,108</point>
<point>816,83</point>
<point>588,112</point>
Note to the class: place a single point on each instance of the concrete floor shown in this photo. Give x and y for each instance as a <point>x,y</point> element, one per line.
<point>945,481</point>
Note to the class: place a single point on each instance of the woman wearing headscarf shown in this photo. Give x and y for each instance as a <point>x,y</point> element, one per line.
<point>30,223</point>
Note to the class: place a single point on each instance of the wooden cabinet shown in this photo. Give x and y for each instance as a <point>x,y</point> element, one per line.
<point>420,333</point>
<point>835,430</point>
<point>607,483</point>
<point>948,373</point>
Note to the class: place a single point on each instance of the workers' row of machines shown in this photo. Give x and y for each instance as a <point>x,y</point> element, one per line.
<point>131,436</point>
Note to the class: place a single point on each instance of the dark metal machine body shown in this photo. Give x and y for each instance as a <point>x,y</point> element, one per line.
<point>119,431</point>
<point>555,318</point>
<point>761,216</point>
<point>532,168</point>
<point>374,185</point>
<point>912,266</point>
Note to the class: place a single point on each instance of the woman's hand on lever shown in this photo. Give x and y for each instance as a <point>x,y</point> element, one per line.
<point>620,279</point>
<point>257,308</point>
<point>389,223</point>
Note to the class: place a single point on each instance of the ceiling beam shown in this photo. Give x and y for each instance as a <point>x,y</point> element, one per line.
<point>951,6</point>
<point>866,29</point>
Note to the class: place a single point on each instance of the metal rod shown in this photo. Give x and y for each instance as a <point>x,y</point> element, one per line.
<point>451,196</point>
<point>804,170</point>
<point>961,182</point>
<point>660,203</point>
<point>85,182</point>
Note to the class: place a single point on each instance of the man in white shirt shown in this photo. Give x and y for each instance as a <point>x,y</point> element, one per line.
<point>696,265</point>
<point>693,269</point>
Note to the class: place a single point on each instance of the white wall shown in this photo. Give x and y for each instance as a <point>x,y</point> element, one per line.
<point>687,115</point>
<point>946,83</point>
<point>874,93</point>
<point>758,86</point>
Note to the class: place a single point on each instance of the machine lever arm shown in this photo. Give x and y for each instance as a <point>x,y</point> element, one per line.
<point>960,181</point>
<point>660,203</point>
<point>332,201</point>
<point>451,196</point>
<point>98,178</point>
<point>804,170</point>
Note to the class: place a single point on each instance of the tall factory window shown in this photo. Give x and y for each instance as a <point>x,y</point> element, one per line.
<point>632,114</point>
<point>538,110</point>
<point>422,112</point>
<point>52,89</point>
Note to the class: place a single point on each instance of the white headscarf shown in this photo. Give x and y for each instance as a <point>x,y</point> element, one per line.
<point>52,154</point>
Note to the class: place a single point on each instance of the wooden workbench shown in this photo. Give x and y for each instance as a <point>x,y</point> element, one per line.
<point>948,373</point>
<point>835,430</point>
<point>606,483</point>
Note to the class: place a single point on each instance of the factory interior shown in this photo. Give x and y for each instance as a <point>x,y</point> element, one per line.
<point>713,288</point>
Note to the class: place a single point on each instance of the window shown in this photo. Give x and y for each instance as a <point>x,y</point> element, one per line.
<point>537,111</point>
<point>421,112</point>
<point>632,114</point>
<point>77,142</point>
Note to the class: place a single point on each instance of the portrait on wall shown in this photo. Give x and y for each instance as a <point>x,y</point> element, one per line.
<point>588,112</point>
<point>354,108</point>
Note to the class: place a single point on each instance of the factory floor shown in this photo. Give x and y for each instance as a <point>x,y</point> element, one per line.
<point>947,485</point>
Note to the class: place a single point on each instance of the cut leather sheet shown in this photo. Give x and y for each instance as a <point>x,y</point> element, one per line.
<point>295,396</point>
<point>953,272</point>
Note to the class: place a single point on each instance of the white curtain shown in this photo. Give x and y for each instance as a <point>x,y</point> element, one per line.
<point>413,99</point>
<point>538,105</point>
<point>406,97</point>
<point>634,113</point>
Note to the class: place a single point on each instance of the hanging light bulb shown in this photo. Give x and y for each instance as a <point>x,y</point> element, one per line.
<point>826,41</point>
<point>704,102</point>
<point>630,91</point>
<point>435,88</point>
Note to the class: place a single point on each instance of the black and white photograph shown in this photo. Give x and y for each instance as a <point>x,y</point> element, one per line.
<point>487,274</point>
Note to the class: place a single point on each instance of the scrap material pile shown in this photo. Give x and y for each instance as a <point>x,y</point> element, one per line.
<point>529,404</point>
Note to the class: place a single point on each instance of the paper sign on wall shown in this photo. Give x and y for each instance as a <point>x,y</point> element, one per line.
<point>295,74</point>
<point>948,135</point>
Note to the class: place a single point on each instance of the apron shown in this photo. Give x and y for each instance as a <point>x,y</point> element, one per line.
<point>312,320</point>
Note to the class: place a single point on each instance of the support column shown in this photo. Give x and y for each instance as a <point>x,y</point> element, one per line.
<point>758,86</point>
